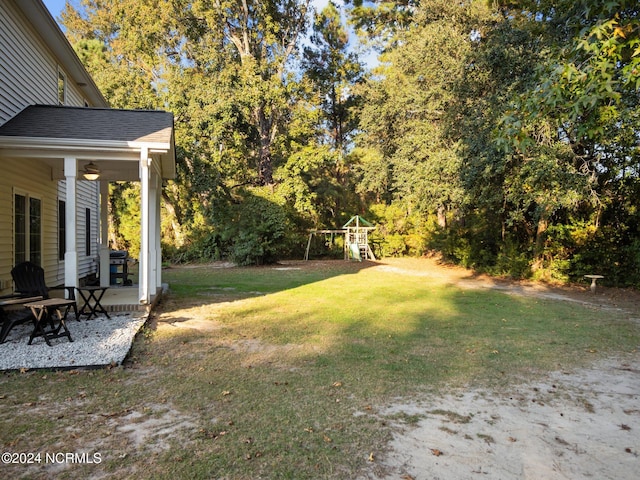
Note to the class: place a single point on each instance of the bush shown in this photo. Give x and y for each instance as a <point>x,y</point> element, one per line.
<point>254,229</point>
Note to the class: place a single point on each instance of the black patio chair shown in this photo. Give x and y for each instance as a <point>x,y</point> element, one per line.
<point>29,282</point>
<point>28,279</point>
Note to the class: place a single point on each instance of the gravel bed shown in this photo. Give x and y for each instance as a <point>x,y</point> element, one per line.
<point>97,342</point>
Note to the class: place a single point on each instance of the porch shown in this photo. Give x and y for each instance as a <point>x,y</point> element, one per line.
<point>68,144</point>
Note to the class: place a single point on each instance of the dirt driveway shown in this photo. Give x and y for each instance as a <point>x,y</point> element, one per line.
<point>582,424</point>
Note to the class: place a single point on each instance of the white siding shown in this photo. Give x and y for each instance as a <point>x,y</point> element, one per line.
<point>28,70</point>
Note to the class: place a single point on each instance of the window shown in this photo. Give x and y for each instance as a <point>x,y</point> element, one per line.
<point>62,88</point>
<point>62,229</point>
<point>27,229</point>
<point>20,228</point>
<point>87,232</point>
<point>35,230</point>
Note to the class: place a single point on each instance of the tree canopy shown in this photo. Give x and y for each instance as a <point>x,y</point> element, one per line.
<point>503,134</point>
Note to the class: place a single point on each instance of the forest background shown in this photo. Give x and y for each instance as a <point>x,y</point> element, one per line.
<point>503,134</point>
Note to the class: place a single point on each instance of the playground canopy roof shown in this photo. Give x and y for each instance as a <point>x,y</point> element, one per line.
<point>359,220</point>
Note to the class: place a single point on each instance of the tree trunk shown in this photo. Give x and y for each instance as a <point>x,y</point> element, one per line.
<point>541,230</point>
<point>442,217</point>
<point>543,225</point>
<point>265,166</point>
<point>176,220</point>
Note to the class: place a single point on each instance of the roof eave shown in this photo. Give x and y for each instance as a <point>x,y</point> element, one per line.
<point>81,144</point>
<point>48,148</point>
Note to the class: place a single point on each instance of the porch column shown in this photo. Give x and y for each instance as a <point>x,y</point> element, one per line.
<point>158,234</point>
<point>70,254</point>
<point>105,266</point>
<point>154,229</point>
<point>143,288</point>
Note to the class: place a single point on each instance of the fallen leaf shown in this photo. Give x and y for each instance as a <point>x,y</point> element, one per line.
<point>371,457</point>
<point>327,439</point>
<point>225,393</point>
<point>337,384</point>
<point>436,452</point>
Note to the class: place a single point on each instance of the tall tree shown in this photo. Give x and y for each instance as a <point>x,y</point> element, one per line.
<point>333,69</point>
<point>247,45</point>
<point>223,69</point>
<point>404,115</point>
<point>330,70</point>
<point>263,34</point>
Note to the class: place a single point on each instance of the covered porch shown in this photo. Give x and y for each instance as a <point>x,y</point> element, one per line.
<point>101,146</point>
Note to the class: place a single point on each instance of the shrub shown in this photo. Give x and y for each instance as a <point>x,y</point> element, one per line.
<point>253,229</point>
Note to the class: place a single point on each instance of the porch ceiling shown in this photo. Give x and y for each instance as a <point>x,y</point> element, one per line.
<point>112,139</point>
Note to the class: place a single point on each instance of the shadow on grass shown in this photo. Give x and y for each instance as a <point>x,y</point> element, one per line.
<point>196,286</point>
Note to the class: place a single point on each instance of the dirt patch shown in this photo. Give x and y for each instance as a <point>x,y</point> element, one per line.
<point>583,424</point>
<point>580,424</point>
<point>153,428</point>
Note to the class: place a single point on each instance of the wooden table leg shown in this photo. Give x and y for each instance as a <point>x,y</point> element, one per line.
<point>44,315</point>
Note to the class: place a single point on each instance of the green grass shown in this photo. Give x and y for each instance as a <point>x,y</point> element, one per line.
<point>291,377</point>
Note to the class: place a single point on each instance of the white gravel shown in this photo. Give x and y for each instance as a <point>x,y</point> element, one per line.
<point>97,342</point>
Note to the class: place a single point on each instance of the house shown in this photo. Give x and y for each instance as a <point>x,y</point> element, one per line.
<point>55,126</point>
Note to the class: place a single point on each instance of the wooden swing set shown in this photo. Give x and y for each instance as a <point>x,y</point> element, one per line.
<point>356,239</point>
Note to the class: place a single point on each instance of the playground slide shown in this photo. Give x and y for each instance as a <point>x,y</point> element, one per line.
<point>355,251</point>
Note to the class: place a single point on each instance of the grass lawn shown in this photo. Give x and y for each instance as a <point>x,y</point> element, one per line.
<point>282,372</point>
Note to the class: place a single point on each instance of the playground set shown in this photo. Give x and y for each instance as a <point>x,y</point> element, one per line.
<point>356,239</point>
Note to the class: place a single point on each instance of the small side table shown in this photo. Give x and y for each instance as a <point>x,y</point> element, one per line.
<point>49,311</point>
<point>91,297</point>
<point>594,279</point>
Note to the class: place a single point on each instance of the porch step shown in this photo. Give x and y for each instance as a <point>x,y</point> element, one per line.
<point>132,307</point>
<point>123,299</point>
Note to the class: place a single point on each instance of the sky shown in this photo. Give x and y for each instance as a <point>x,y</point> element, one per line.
<point>55,7</point>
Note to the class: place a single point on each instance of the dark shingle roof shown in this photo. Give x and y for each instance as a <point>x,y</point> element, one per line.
<point>51,121</point>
